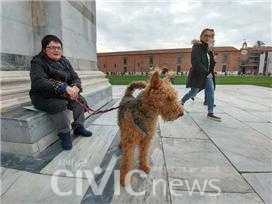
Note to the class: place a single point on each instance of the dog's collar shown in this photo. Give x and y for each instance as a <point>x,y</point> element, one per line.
<point>139,123</point>
<point>136,109</point>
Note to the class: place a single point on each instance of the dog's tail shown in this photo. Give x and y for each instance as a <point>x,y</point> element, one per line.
<point>134,85</point>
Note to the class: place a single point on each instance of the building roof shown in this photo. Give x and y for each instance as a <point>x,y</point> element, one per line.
<point>260,49</point>
<point>163,51</point>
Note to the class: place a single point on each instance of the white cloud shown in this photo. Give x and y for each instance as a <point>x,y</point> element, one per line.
<point>183,6</point>
<point>141,25</point>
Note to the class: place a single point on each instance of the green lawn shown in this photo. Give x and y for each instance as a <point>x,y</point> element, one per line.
<point>179,80</point>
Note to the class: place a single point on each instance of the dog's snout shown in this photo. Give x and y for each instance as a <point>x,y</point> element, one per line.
<point>181,114</point>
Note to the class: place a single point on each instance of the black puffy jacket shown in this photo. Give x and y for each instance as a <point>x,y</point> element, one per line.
<point>44,73</point>
<point>200,65</point>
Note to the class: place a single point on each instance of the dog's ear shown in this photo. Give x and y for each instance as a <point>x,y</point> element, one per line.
<point>155,80</point>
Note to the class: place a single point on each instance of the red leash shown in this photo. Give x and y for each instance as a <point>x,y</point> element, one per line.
<point>89,110</point>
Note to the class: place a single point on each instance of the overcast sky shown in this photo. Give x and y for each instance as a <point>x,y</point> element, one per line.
<point>126,25</point>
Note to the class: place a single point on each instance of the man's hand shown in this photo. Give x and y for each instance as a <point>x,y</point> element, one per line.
<point>209,75</point>
<point>72,92</point>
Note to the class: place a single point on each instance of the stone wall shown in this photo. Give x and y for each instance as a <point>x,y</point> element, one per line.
<point>25,23</point>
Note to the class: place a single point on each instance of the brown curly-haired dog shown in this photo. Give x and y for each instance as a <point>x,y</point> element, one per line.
<point>137,118</point>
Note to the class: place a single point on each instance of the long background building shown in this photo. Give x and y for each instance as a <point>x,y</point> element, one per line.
<point>229,60</point>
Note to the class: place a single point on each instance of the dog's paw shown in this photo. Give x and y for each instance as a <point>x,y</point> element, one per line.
<point>145,168</point>
<point>122,182</point>
<point>125,182</point>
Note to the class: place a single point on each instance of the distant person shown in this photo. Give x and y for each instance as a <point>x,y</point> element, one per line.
<point>201,73</point>
<point>54,88</point>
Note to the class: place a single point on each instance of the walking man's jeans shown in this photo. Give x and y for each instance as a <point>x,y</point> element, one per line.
<point>209,90</point>
<point>205,96</point>
<point>190,94</point>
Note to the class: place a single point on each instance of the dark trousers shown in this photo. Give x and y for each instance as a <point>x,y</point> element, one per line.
<point>58,110</point>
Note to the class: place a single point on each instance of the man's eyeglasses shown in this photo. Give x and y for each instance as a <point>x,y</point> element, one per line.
<point>54,48</point>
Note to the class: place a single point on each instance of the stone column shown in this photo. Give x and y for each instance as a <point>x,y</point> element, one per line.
<point>25,23</point>
<point>46,19</point>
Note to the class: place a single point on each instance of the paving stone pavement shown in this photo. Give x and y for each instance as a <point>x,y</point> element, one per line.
<point>194,160</point>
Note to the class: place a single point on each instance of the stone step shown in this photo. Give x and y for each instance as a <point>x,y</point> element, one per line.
<point>10,102</point>
<point>94,83</point>
<point>14,80</point>
<point>11,92</point>
<point>25,81</point>
<point>15,86</point>
<point>9,78</point>
<point>6,91</point>
<point>26,73</point>
<point>27,132</point>
<point>86,154</point>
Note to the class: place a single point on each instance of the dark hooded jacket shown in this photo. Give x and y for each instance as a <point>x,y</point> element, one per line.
<point>200,65</point>
<point>49,80</point>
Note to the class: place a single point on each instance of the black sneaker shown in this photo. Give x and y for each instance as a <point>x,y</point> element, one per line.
<point>66,140</point>
<point>205,104</point>
<point>211,116</point>
<point>80,130</point>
